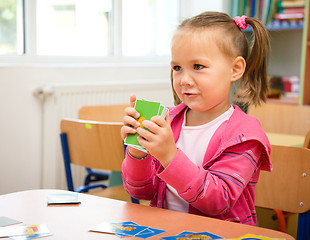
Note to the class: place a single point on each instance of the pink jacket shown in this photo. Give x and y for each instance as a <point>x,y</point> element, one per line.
<point>224,187</point>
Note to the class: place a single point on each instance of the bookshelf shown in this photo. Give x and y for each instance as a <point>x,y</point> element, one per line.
<point>305,66</point>
<point>290,41</point>
<point>290,55</point>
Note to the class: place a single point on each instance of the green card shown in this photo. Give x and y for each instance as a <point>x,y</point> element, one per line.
<point>147,110</point>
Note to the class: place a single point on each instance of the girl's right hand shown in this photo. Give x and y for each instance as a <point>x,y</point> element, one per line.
<point>130,126</point>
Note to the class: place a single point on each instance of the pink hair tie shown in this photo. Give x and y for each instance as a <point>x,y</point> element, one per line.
<point>240,21</point>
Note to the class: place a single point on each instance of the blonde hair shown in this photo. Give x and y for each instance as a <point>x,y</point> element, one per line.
<point>254,85</point>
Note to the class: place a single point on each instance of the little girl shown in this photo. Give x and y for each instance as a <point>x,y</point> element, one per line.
<point>206,156</point>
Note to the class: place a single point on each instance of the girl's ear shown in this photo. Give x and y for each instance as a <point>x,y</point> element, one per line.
<point>238,68</point>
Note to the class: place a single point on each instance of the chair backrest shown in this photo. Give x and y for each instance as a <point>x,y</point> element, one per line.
<point>307,140</point>
<point>282,118</point>
<point>107,113</point>
<point>287,187</point>
<point>94,144</point>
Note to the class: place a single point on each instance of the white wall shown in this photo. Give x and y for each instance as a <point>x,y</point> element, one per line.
<point>194,7</point>
<point>21,112</point>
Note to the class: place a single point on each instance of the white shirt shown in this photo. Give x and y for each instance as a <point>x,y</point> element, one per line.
<point>187,142</point>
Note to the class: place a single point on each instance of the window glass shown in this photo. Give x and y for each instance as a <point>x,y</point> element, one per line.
<point>11,27</point>
<point>147,26</point>
<point>73,27</point>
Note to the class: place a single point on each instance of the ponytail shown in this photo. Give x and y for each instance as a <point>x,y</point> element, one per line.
<point>255,83</point>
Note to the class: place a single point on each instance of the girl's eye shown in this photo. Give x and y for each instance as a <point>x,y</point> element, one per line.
<point>198,66</point>
<point>176,68</point>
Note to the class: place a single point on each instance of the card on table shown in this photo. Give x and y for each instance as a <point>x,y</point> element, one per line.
<point>63,198</point>
<point>31,236</point>
<point>147,110</point>
<point>118,228</point>
<point>149,232</point>
<point>253,237</point>
<point>25,230</point>
<point>129,223</point>
<point>5,221</point>
<point>125,229</point>
<point>192,235</point>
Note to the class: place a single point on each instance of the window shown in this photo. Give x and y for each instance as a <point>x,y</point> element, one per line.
<point>11,27</point>
<point>147,26</point>
<point>91,28</point>
<point>73,27</point>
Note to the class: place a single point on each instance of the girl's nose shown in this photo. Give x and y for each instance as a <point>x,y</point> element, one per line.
<point>186,80</point>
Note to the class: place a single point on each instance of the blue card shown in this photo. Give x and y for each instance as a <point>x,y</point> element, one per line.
<point>125,229</point>
<point>129,223</point>
<point>192,235</point>
<point>118,228</point>
<point>149,232</point>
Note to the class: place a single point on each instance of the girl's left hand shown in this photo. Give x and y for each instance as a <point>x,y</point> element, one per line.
<point>158,139</point>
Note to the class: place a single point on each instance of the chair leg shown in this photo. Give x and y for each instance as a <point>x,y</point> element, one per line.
<point>281,220</point>
<point>133,200</point>
<point>95,176</point>
<point>66,157</point>
<point>303,228</point>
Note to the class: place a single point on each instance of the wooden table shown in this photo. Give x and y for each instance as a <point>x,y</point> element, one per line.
<point>72,222</point>
<point>286,139</point>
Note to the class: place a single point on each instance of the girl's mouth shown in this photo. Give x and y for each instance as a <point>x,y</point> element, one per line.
<point>189,94</point>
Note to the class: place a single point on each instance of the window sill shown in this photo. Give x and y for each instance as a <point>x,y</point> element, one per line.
<point>83,61</point>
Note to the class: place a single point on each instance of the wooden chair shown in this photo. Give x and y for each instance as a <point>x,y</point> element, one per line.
<point>95,145</point>
<point>282,118</point>
<point>106,113</point>
<point>287,187</point>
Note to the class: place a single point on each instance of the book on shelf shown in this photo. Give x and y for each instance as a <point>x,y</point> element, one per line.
<point>281,14</point>
<point>287,16</point>
<point>265,11</point>
<point>292,10</point>
<point>260,9</point>
<point>273,10</point>
<point>291,3</point>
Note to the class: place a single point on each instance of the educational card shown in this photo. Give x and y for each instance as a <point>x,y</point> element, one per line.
<point>144,234</point>
<point>63,198</point>
<point>5,221</point>
<point>129,223</point>
<point>254,237</point>
<point>125,229</point>
<point>118,228</point>
<point>25,230</point>
<point>192,235</point>
<point>147,110</point>
<point>31,236</point>
<point>149,232</point>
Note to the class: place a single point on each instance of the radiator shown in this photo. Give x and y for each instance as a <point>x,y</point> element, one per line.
<point>64,101</point>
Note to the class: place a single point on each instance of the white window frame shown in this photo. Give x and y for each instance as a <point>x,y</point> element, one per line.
<point>30,57</point>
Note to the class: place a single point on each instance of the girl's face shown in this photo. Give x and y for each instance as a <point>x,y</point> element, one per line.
<point>202,74</point>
